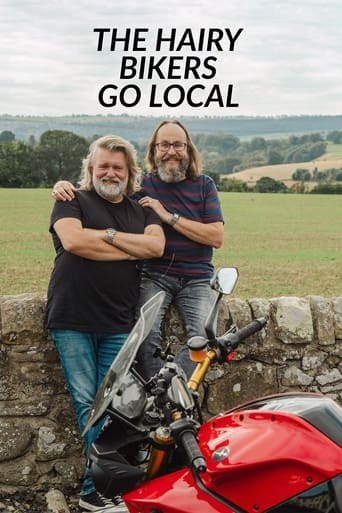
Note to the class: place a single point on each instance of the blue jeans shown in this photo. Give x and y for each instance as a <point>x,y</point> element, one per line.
<point>193,297</point>
<point>85,358</point>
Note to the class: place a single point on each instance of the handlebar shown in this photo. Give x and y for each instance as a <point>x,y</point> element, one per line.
<point>184,430</point>
<point>233,339</point>
<point>189,442</point>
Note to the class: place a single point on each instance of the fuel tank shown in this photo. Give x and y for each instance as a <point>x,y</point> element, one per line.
<point>266,451</point>
<point>260,456</point>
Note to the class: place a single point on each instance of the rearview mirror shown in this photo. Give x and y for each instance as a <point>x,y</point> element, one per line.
<point>225,279</point>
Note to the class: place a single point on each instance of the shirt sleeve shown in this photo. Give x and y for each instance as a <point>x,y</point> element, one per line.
<point>151,217</point>
<point>64,209</point>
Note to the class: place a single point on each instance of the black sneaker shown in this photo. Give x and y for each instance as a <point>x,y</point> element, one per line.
<point>96,502</point>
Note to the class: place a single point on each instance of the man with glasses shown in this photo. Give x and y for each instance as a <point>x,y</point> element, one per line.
<point>187,203</point>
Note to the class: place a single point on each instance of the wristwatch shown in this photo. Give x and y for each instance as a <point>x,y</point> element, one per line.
<point>110,233</point>
<point>174,219</point>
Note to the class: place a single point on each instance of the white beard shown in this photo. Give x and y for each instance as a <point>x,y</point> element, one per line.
<point>110,190</point>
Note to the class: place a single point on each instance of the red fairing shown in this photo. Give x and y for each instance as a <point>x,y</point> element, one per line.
<point>173,493</point>
<point>255,460</point>
<point>271,456</point>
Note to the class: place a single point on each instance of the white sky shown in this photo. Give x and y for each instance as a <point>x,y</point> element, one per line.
<point>287,61</point>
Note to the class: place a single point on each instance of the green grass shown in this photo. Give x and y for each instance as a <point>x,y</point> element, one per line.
<point>335,150</point>
<point>282,244</point>
<point>26,252</point>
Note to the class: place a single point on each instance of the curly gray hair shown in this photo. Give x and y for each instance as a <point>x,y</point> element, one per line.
<point>111,143</point>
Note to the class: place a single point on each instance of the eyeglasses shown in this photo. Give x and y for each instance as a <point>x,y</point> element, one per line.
<point>165,146</point>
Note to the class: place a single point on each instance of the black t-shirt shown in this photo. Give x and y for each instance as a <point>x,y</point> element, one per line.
<point>89,295</point>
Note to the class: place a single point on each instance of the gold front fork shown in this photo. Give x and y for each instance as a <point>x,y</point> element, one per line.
<point>163,443</point>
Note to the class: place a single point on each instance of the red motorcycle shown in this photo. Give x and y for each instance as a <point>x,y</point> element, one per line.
<point>281,453</point>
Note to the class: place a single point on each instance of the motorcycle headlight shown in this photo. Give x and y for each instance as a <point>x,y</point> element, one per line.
<point>179,394</point>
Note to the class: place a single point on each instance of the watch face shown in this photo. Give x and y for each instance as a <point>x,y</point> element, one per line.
<point>110,235</point>
<point>174,219</point>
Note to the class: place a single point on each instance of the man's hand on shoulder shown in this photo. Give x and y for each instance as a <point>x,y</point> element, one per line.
<point>63,191</point>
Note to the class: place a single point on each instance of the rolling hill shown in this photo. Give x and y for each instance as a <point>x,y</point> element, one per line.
<point>283,172</point>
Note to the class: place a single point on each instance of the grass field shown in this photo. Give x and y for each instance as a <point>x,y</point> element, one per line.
<point>334,151</point>
<point>282,244</point>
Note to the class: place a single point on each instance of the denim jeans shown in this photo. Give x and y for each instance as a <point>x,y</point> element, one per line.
<point>85,358</point>
<point>193,297</point>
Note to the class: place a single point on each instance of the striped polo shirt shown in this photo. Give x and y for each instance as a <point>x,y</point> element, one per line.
<point>194,199</point>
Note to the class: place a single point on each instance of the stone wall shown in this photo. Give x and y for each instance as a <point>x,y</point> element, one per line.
<point>40,447</point>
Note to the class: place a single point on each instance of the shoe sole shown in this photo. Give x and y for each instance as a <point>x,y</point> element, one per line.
<point>106,509</point>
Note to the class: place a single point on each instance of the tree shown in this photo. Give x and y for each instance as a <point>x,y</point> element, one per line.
<point>232,185</point>
<point>315,137</point>
<point>321,176</point>
<point>60,154</point>
<point>274,157</point>
<point>224,166</point>
<point>6,136</point>
<point>302,175</point>
<point>306,152</point>
<point>317,149</point>
<point>257,143</point>
<point>32,141</point>
<point>293,140</point>
<point>335,137</point>
<point>327,188</point>
<point>268,184</point>
<point>219,144</point>
<point>19,166</point>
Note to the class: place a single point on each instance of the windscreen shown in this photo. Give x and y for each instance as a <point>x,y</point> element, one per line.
<point>122,363</point>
